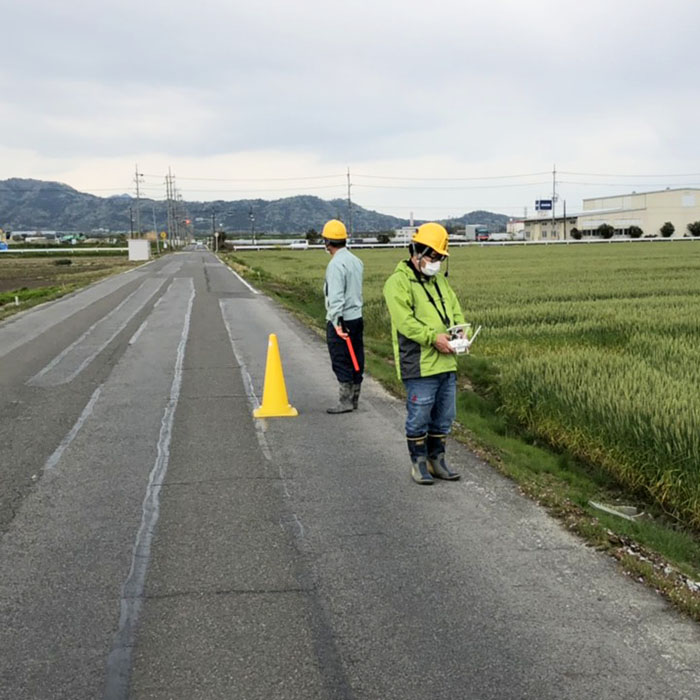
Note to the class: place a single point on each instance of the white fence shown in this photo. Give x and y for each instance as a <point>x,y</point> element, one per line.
<point>486,244</point>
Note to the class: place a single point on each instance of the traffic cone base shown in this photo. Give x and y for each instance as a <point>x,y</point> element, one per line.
<point>282,412</point>
<point>275,403</point>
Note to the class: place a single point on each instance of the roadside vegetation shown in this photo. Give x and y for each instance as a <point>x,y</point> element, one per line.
<point>28,279</point>
<point>582,385</point>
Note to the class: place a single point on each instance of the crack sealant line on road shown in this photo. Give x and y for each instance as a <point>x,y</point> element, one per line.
<point>90,295</point>
<point>54,459</point>
<point>75,345</point>
<point>250,394</point>
<point>138,332</point>
<point>120,658</point>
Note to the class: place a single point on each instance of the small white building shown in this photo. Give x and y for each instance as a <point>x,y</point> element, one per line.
<point>405,234</point>
<point>550,229</point>
<point>515,226</point>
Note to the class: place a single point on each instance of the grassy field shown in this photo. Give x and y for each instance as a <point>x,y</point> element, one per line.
<point>593,351</point>
<point>27,281</point>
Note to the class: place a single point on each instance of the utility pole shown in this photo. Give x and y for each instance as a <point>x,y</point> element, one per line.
<point>137,180</point>
<point>155,229</point>
<point>169,203</point>
<point>252,224</point>
<point>131,221</point>
<point>565,234</point>
<point>554,200</point>
<point>214,237</point>
<point>174,208</point>
<point>349,205</point>
<point>179,217</point>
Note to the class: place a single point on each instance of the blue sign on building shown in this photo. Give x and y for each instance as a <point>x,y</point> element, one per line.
<point>543,205</point>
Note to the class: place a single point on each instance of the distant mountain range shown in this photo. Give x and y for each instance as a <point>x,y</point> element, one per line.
<point>28,205</point>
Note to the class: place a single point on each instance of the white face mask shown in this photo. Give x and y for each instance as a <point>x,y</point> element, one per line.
<point>431,268</point>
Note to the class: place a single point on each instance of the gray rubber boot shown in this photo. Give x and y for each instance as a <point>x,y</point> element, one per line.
<point>418,449</point>
<point>437,465</point>
<point>344,399</point>
<point>355,395</point>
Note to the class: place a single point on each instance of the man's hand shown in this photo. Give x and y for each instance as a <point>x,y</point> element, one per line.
<point>339,330</point>
<point>442,344</point>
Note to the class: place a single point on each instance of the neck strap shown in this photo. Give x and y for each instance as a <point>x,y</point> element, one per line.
<point>444,316</point>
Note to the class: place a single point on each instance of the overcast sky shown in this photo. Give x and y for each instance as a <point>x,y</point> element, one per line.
<point>437,107</point>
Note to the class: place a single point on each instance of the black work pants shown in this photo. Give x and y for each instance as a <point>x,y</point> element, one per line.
<point>340,355</point>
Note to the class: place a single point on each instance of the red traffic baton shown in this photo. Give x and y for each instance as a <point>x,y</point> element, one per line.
<point>351,350</point>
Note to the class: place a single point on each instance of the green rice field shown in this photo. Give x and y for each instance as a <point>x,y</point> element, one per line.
<point>594,349</point>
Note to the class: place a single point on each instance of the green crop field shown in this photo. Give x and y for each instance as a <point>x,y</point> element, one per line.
<point>593,348</point>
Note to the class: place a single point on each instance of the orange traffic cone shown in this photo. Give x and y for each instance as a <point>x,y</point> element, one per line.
<point>275,403</point>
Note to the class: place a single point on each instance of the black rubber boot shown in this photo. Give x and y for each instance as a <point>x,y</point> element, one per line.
<point>355,395</point>
<point>436,458</point>
<point>344,399</point>
<point>418,449</point>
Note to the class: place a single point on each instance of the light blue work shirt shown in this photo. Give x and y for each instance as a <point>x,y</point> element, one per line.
<point>343,287</point>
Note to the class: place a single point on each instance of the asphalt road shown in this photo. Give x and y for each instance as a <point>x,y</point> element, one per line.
<point>158,542</point>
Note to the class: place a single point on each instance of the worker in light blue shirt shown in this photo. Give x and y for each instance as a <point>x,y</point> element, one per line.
<point>344,326</point>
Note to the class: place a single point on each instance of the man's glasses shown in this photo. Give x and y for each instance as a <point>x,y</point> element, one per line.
<point>434,256</point>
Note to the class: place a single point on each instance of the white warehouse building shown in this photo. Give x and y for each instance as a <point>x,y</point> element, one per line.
<point>647,210</point>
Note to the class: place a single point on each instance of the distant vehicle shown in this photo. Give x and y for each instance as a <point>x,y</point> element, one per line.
<point>476,232</point>
<point>499,237</point>
<point>300,244</point>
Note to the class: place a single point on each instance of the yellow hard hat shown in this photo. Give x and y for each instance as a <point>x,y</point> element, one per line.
<point>434,236</point>
<point>334,230</point>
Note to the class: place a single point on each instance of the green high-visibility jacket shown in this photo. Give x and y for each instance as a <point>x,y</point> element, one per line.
<point>416,322</point>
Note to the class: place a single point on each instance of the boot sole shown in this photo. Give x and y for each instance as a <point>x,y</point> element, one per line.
<point>435,475</point>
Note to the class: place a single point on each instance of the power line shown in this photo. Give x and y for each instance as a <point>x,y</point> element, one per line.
<point>569,172</point>
<point>678,185</point>
<point>257,179</point>
<point>460,205</point>
<point>450,187</point>
<point>268,189</point>
<point>452,179</point>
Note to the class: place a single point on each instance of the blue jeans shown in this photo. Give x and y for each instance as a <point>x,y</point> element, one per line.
<point>431,404</point>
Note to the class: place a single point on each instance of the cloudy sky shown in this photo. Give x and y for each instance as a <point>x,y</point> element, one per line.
<point>436,107</point>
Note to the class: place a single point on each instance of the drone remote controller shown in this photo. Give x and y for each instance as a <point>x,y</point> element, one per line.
<point>461,337</point>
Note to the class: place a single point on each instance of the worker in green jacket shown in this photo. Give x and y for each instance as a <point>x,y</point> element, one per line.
<point>422,307</point>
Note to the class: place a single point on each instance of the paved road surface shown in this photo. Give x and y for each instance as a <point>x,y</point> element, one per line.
<point>157,542</point>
